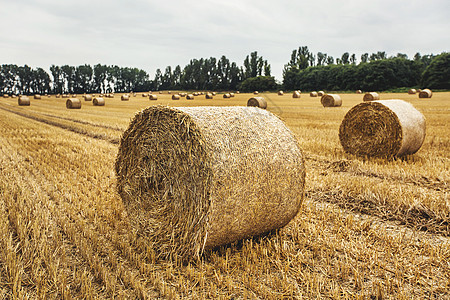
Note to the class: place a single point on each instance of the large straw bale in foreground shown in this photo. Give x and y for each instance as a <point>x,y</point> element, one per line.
<point>73,103</point>
<point>331,100</point>
<point>23,101</point>
<point>257,102</point>
<point>370,96</point>
<point>426,93</point>
<point>382,128</point>
<point>193,178</point>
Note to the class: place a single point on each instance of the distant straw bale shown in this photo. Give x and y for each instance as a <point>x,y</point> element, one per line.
<point>313,94</point>
<point>190,97</point>
<point>382,128</point>
<point>412,91</point>
<point>426,93</point>
<point>371,96</point>
<point>98,101</point>
<point>153,97</point>
<point>256,92</point>
<point>37,96</point>
<point>144,95</point>
<point>209,96</point>
<point>358,91</point>
<point>175,97</point>
<point>280,93</point>
<point>23,101</point>
<point>72,103</point>
<point>5,96</point>
<point>231,95</point>
<point>257,102</point>
<point>331,100</point>
<point>87,97</point>
<point>296,94</point>
<point>227,95</point>
<point>320,93</point>
<point>194,178</point>
<point>125,97</point>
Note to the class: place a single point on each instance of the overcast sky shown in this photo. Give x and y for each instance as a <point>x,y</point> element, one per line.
<point>151,34</point>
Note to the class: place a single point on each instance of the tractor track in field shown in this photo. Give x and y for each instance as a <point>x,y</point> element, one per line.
<point>99,136</point>
<point>352,168</point>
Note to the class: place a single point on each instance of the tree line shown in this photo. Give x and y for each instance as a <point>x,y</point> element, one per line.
<point>199,74</point>
<point>305,70</point>
<point>374,72</point>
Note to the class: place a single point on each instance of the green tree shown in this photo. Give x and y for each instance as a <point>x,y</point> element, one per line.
<point>259,83</point>
<point>437,73</point>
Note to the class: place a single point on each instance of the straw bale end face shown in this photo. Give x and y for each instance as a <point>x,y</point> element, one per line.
<point>382,128</point>
<point>194,178</point>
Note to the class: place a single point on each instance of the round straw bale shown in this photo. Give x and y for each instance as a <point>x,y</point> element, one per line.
<point>23,101</point>
<point>256,92</point>
<point>73,103</point>
<point>98,101</point>
<point>194,178</point>
<point>231,95</point>
<point>313,94</point>
<point>320,93</point>
<point>382,128</point>
<point>87,97</point>
<point>370,96</point>
<point>175,97</point>
<point>144,95</point>
<point>213,93</point>
<point>426,93</point>
<point>37,96</point>
<point>280,93</point>
<point>296,94</point>
<point>125,97</point>
<point>258,102</point>
<point>237,92</point>
<point>195,94</point>
<point>134,94</point>
<point>190,97</point>
<point>160,92</point>
<point>169,92</point>
<point>153,97</point>
<point>182,94</point>
<point>5,96</point>
<point>358,91</point>
<point>13,96</point>
<point>227,95</point>
<point>331,100</point>
<point>412,91</point>
<point>209,96</point>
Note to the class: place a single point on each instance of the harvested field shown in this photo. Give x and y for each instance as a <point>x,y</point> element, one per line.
<point>368,227</point>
